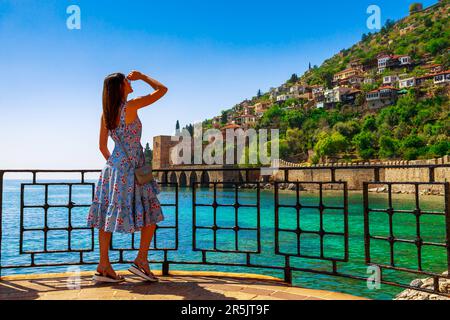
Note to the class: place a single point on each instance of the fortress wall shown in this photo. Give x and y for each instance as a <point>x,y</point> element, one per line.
<point>356,177</point>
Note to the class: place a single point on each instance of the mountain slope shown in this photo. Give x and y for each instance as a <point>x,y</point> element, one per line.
<point>415,125</point>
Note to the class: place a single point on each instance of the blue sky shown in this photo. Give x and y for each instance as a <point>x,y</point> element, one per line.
<point>211,55</point>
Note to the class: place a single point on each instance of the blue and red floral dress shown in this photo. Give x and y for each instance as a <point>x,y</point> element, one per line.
<point>120,203</point>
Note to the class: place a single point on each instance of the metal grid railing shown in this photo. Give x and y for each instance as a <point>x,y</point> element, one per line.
<point>237,206</point>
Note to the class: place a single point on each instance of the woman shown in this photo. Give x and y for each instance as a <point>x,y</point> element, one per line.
<point>120,203</point>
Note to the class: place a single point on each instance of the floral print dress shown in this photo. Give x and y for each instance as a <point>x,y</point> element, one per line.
<point>120,203</point>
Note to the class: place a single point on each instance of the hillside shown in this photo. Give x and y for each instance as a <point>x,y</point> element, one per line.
<point>386,97</point>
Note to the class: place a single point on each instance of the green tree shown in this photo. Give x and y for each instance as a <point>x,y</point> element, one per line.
<point>297,141</point>
<point>440,149</point>
<point>294,78</point>
<point>369,123</point>
<point>413,146</point>
<point>388,147</point>
<point>148,153</point>
<point>437,45</point>
<point>347,129</point>
<point>330,145</point>
<point>365,143</point>
<point>224,117</point>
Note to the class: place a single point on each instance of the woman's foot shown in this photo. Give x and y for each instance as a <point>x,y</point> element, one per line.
<point>141,268</point>
<point>106,273</point>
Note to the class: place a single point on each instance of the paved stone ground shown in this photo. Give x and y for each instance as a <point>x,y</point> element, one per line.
<point>180,285</point>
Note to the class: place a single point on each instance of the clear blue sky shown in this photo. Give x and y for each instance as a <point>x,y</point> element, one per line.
<point>211,55</point>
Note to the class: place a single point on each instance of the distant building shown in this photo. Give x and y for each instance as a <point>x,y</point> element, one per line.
<point>319,105</point>
<point>442,77</point>
<point>433,68</point>
<point>407,83</point>
<point>390,80</point>
<point>261,107</point>
<point>318,93</point>
<point>306,96</point>
<point>422,79</point>
<point>229,126</point>
<point>273,92</point>
<point>349,97</point>
<point>248,120</point>
<point>335,95</point>
<point>354,81</point>
<point>216,122</point>
<point>369,80</point>
<point>356,64</point>
<point>346,74</point>
<point>404,60</point>
<point>392,61</point>
<point>299,89</point>
<point>381,97</point>
<point>284,97</point>
<point>383,62</point>
<point>248,110</point>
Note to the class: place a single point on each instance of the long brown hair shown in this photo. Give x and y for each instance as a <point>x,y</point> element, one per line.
<point>112,99</point>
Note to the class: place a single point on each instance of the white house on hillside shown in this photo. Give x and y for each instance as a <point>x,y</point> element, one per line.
<point>390,80</point>
<point>407,83</point>
<point>442,77</point>
<point>381,97</point>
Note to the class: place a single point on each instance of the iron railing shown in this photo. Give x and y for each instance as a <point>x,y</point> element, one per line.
<point>244,178</point>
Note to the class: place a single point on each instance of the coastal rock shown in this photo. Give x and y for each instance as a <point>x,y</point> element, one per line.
<point>428,284</point>
<point>416,283</point>
<point>292,186</point>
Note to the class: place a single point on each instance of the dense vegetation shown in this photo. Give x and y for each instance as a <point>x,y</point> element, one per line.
<point>409,130</point>
<point>430,37</point>
<point>417,126</point>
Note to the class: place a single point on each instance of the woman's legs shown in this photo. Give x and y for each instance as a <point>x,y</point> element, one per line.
<point>104,266</point>
<point>146,237</point>
<point>104,240</point>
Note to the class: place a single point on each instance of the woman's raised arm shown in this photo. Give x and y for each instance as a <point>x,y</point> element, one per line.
<point>141,102</point>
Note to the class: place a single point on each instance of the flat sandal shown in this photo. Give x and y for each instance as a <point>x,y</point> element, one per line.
<point>140,272</point>
<point>104,277</point>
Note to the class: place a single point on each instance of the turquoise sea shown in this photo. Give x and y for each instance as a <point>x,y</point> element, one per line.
<point>404,226</point>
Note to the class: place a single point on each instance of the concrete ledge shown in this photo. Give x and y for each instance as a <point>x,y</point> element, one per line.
<point>180,285</point>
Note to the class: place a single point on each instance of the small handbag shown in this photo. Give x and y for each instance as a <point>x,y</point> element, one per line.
<point>142,174</point>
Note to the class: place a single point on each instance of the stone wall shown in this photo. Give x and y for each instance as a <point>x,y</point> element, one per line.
<point>353,176</point>
<point>356,176</point>
<point>161,151</point>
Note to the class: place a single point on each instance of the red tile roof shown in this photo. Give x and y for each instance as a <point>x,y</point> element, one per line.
<point>429,66</point>
<point>399,56</point>
<point>439,73</point>
<point>388,87</point>
<point>383,88</point>
<point>231,126</point>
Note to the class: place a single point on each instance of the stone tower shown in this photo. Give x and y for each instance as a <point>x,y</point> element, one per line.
<point>161,151</point>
